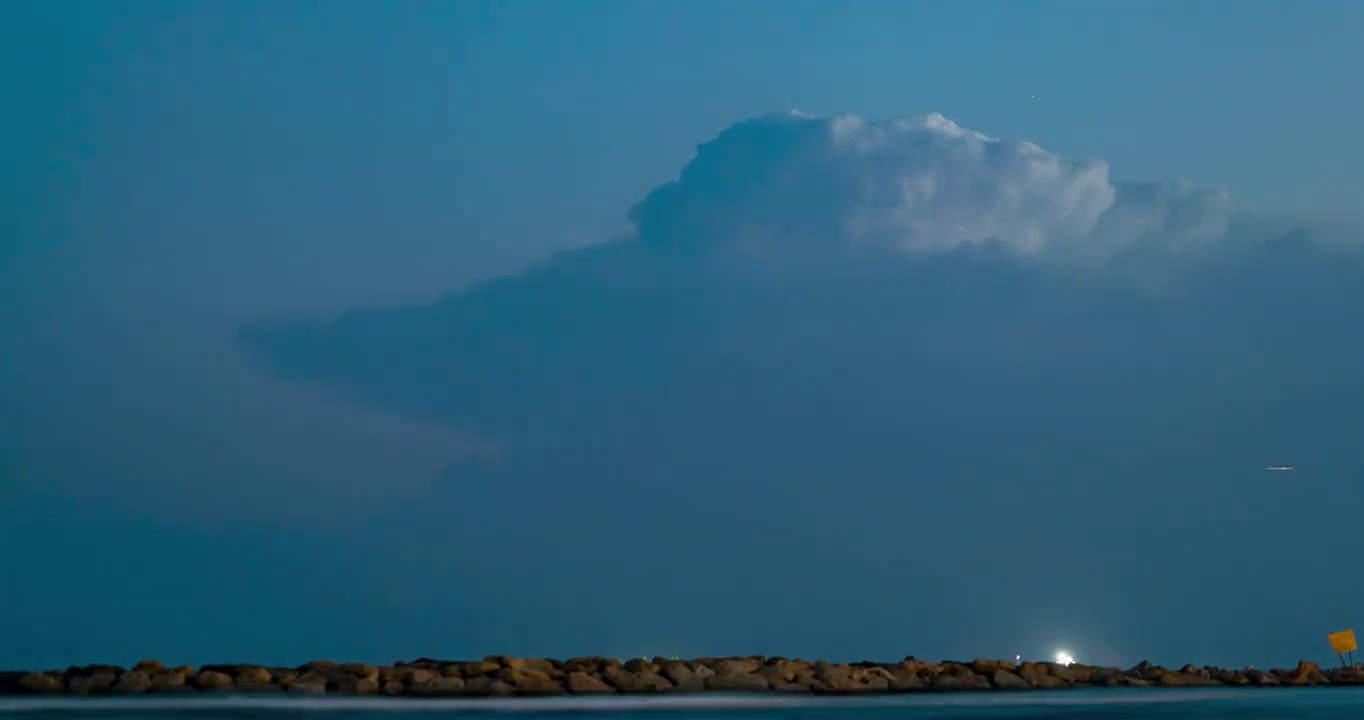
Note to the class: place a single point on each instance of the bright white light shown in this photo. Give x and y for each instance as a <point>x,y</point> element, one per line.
<point>1063,658</point>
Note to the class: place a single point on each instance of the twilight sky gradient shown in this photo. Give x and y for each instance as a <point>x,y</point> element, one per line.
<point>732,431</point>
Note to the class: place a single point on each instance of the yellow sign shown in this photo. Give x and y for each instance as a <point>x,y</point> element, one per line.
<point>1343,642</point>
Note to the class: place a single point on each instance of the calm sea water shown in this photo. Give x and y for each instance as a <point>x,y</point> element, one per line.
<point>1216,704</point>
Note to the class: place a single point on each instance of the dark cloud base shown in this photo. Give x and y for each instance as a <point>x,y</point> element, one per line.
<point>936,436</point>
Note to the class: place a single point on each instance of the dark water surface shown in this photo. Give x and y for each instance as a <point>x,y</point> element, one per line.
<point>1217,704</point>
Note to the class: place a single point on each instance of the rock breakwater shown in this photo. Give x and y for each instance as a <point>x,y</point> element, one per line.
<point>502,676</point>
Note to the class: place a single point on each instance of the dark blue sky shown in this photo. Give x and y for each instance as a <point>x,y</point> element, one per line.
<point>724,433</point>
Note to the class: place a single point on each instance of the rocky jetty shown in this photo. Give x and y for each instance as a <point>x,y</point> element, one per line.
<point>501,676</point>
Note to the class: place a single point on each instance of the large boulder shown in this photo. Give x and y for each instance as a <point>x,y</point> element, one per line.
<point>532,681</point>
<point>480,668</point>
<point>281,675</point>
<point>485,686</point>
<point>412,676</point>
<point>735,666</point>
<point>685,677</point>
<point>1006,680</point>
<point>636,682</point>
<point>1261,678</point>
<point>1109,676</point>
<point>847,679</point>
<point>93,682</point>
<point>1039,675</point>
<point>256,679</point>
<point>778,673</point>
<point>588,664</point>
<point>581,683</point>
<point>133,682</point>
<point>1073,674</point>
<point>308,683</point>
<point>1145,670</point>
<point>736,682</point>
<point>515,663</point>
<point>169,683</point>
<point>955,676</point>
<point>429,684</point>
<point>151,667</point>
<point>642,665</point>
<point>903,679</point>
<point>1350,675</point>
<point>40,683</point>
<point>990,667</point>
<point>1228,676</point>
<point>1308,673</point>
<point>212,681</point>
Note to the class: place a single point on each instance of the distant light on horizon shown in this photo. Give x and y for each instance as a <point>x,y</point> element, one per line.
<point>1064,658</point>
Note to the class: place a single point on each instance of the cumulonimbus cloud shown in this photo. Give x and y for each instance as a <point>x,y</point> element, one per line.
<point>805,430</point>
<point>792,182</point>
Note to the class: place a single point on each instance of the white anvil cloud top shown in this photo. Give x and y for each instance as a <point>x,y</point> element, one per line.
<point>790,181</point>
